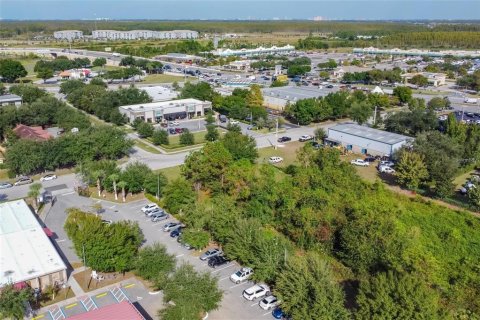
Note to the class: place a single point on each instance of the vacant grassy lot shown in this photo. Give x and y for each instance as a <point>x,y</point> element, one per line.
<point>164,78</point>
<point>288,152</point>
<point>142,145</point>
<point>171,173</point>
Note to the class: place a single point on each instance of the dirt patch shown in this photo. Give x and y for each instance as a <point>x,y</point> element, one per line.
<point>87,283</point>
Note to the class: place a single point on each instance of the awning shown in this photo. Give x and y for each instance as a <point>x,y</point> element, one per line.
<point>48,232</point>
<point>20,285</point>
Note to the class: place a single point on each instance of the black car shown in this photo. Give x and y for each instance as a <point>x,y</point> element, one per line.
<point>284,139</point>
<point>176,233</point>
<point>172,131</point>
<point>217,261</point>
<point>370,159</point>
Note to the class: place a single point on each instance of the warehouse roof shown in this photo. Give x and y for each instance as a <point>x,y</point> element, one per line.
<point>162,104</point>
<point>10,98</point>
<point>370,133</point>
<point>26,251</point>
<point>294,93</point>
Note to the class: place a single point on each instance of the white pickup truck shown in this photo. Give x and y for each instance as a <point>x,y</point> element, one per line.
<point>471,100</point>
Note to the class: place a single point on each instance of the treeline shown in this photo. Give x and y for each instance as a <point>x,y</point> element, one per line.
<point>317,225</point>
<point>39,109</point>
<point>61,63</point>
<point>432,39</point>
<point>373,76</point>
<point>102,142</point>
<point>470,81</point>
<point>148,51</point>
<point>96,99</point>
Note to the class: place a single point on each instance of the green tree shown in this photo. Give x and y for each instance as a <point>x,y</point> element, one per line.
<point>145,129</point>
<point>13,301</point>
<point>127,61</point>
<point>135,175</point>
<point>153,263</point>
<point>308,290</point>
<point>123,185</point>
<point>360,111</point>
<point>410,169</point>
<point>3,90</point>
<point>474,197</point>
<point>45,74</point>
<point>114,179</point>
<point>178,195</point>
<point>438,103</point>
<point>212,133</point>
<point>320,134</point>
<point>29,93</point>
<point>99,62</point>
<point>240,146</point>
<point>390,296</point>
<point>255,96</point>
<point>198,239</point>
<point>11,70</point>
<point>107,247</point>
<point>187,138</point>
<point>190,293</point>
<point>404,94</point>
<point>98,176</point>
<point>69,86</point>
<point>419,80</point>
<point>159,137</point>
<point>34,192</point>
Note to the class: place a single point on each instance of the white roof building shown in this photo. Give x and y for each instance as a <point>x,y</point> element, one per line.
<point>26,253</point>
<point>254,52</point>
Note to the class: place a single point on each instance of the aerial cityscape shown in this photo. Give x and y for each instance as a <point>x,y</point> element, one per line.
<point>239,160</point>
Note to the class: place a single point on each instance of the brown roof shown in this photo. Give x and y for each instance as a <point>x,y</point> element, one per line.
<point>32,133</point>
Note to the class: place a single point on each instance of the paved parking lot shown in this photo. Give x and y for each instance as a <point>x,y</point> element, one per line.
<point>233,306</point>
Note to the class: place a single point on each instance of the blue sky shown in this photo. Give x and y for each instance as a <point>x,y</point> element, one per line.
<point>240,9</point>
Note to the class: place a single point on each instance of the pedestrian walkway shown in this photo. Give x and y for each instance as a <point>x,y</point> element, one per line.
<point>72,282</point>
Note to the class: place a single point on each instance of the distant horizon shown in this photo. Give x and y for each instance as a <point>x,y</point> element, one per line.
<point>243,10</point>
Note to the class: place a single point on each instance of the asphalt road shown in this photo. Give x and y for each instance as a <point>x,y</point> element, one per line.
<point>233,306</point>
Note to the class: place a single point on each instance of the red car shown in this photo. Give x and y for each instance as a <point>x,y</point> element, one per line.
<point>178,130</point>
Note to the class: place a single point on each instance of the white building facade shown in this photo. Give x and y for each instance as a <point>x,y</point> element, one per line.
<point>254,52</point>
<point>68,35</point>
<point>166,110</point>
<point>143,34</point>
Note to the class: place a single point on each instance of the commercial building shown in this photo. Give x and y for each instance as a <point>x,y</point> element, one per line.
<point>10,100</point>
<point>238,65</point>
<point>254,52</point>
<point>68,35</point>
<point>27,254</point>
<point>434,79</point>
<point>278,98</point>
<point>361,139</point>
<point>418,52</point>
<point>143,34</point>
<point>160,93</point>
<point>166,110</point>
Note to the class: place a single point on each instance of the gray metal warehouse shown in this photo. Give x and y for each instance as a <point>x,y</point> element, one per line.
<point>361,139</point>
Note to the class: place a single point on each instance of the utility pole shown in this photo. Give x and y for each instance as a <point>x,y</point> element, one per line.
<point>375,116</point>
<point>158,186</point>
<point>276,133</point>
<point>84,262</point>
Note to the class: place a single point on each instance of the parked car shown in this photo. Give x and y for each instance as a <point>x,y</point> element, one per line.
<point>370,159</point>
<point>257,291</point>
<point>315,144</point>
<point>210,253</point>
<point>149,207</point>
<point>278,313</point>
<point>222,118</point>
<point>153,212</point>
<point>176,233</point>
<point>217,261</point>
<point>305,137</point>
<point>284,139</point>
<point>241,275</point>
<point>275,159</point>
<point>466,187</point>
<point>268,303</point>
<point>387,163</point>
<point>48,177</point>
<point>109,222</point>
<point>172,131</point>
<point>233,122</point>
<point>159,216</point>
<point>174,124</point>
<point>386,169</point>
<point>171,226</point>
<point>360,162</point>
<point>5,185</point>
<point>178,130</point>
<point>22,181</point>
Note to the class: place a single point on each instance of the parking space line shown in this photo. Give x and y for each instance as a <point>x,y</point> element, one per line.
<point>67,194</point>
<point>129,285</point>
<point>71,305</point>
<point>101,295</point>
<point>39,317</point>
<point>227,266</point>
<point>252,305</point>
<point>180,255</point>
<point>138,206</point>
<point>237,285</point>
<point>266,314</point>
<point>224,278</point>
<point>112,207</point>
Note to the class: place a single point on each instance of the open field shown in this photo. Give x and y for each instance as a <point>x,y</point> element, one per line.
<point>164,78</point>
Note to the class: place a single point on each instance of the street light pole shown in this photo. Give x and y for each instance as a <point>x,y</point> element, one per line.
<point>158,186</point>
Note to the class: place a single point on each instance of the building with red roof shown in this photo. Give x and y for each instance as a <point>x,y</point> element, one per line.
<point>32,133</point>
<point>119,311</point>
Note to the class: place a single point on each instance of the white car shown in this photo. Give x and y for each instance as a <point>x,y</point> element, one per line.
<point>360,162</point>
<point>268,303</point>
<point>241,275</point>
<point>305,137</point>
<point>257,291</point>
<point>387,163</point>
<point>153,212</point>
<point>149,207</point>
<point>386,169</point>
<point>232,122</point>
<point>48,177</point>
<point>275,159</point>
<point>174,123</point>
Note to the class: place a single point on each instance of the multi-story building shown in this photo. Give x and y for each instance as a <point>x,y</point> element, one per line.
<point>68,35</point>
<point>254,52</point>
<point>143,34</point>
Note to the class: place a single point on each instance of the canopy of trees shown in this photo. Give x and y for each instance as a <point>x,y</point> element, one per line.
<point>11,70</point>
<point>373,76</point>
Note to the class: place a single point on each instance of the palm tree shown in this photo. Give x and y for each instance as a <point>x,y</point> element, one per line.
<point>122,185</point>
<point>34,192</point>
<point>98,175</point>
<point>114,178</point>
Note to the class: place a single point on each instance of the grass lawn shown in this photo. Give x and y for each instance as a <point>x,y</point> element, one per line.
<point>288,152</point>
<point>198,136</point>
<point>142,145</point>
<point>61,295</point>
<point>171,173</point>
<point>106,68</point>
<point>164,78</point>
